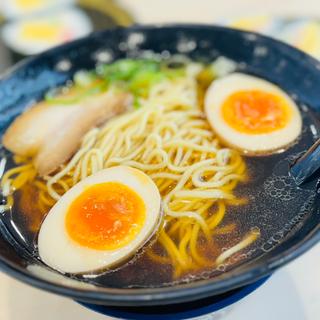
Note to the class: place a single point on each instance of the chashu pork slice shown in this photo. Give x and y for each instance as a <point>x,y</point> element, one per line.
<point>52,133</point>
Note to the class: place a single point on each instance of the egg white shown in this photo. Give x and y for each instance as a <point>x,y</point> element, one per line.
<point>60,252</point>
<point>11,8</point>
<point>222,88</point>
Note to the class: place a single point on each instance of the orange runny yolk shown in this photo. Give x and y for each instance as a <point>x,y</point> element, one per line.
<point>105,216</point>
<point>255,112</point>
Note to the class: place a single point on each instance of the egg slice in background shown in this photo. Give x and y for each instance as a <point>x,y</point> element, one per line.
<point>18,8</point>
<point>36,34</point>
<point>101,221</point>
<point>252,114</point>
<point>304,34</point>
<point>257,23</point>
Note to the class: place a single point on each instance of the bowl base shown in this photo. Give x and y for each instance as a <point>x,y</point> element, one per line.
<point>178,311</point>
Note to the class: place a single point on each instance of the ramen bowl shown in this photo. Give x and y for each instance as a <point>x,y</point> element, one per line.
<point>287,216</point>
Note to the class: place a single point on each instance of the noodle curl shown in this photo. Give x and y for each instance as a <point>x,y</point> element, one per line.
<point>169,139</point>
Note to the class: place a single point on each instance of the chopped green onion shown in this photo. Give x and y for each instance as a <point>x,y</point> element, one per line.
<point>135,76</point>
<point>138,76</point>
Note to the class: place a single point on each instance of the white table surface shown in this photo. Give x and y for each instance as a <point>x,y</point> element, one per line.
<point>292,293</point>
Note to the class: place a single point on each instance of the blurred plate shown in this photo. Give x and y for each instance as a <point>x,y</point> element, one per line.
<point>300,32</point>
<point>47,15</point>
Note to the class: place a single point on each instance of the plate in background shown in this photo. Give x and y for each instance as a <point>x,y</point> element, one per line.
<point>98,15</point>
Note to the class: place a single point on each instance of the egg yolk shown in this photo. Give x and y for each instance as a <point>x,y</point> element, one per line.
<point>255,112</point>
<point>105,216</point>
<point>29,4</point>
<point>42,31</point>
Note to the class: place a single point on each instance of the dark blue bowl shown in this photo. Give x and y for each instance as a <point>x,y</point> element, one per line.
<point>179,311</point>
<point>291,69</point>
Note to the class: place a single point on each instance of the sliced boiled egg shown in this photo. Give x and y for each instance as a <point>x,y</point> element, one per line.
<point>304,34</point>
<point>101,221</point>
<point>35,34</point>
<point>17,8</point>
<point>252,114</point>
<point>260,23</point>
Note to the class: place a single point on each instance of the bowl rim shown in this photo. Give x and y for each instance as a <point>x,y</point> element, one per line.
<point>182,292</point>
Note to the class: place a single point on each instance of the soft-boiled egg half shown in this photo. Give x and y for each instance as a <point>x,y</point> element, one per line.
<point>35,34</point>
<point>252,114</point>
<point>101,221</point>
<point>18,8</point>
